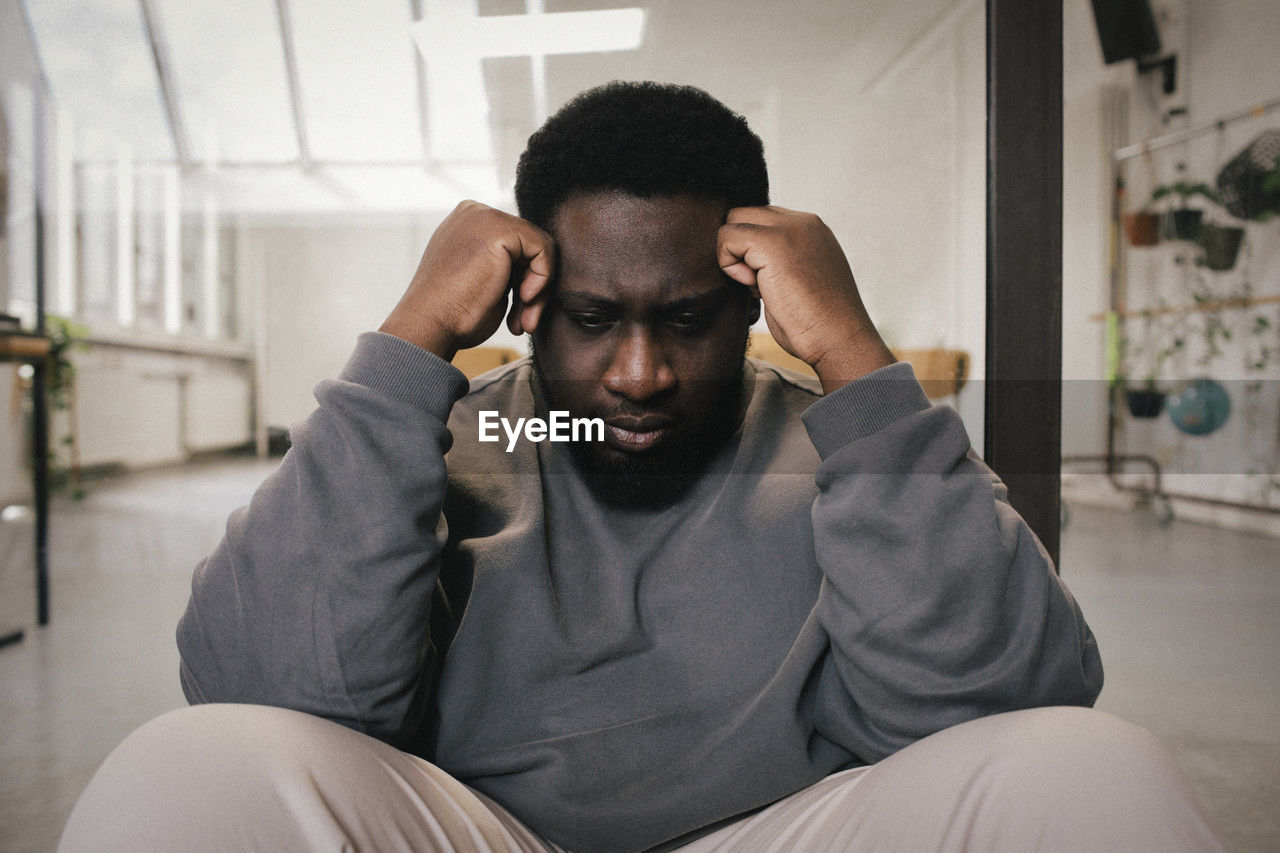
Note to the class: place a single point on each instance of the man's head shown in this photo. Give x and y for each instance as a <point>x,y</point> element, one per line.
<point>645,139</point>
<point>641,327</point>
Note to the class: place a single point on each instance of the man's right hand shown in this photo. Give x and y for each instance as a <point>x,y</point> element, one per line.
<point>458,295</point>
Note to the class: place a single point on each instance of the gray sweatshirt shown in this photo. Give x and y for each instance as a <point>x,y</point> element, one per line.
<point>845,579</point>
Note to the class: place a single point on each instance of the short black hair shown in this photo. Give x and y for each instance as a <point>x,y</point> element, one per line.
<point>644,138</point>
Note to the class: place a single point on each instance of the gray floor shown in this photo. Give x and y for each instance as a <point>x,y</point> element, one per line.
<point>1188,619</point>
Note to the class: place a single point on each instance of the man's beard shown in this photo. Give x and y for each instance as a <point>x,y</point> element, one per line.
<point>657,478</point>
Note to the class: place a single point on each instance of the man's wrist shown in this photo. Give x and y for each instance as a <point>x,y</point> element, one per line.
<point>422,333</point>
<point>863,407</point>
<point>404,371</point>
<point>841,365</point>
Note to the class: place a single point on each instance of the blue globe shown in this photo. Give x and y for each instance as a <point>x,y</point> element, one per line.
<point>1199,407</point>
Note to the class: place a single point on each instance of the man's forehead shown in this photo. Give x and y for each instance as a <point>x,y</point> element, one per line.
<point>619,277</point>
<point>615,245</point>
<point>698,295</point>
<point>619,214</point>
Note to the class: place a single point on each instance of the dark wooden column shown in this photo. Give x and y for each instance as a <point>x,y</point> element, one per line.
<point>40,380</point>
<point>1023,424</point>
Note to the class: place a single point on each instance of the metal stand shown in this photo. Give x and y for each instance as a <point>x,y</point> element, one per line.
<point>34,350</point>
<point>1114,462</point>
<point>39,381</point>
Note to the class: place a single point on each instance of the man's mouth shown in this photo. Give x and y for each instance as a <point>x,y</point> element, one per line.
<point>636,434</point>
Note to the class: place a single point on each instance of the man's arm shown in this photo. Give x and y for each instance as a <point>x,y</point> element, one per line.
<point>318,597</point>
<point>940,604</point>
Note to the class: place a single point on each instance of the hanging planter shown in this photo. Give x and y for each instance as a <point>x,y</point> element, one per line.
<point>1186,223</point>
<point>1221,246</point>
<point>1145,402</point>
<point>1183,222</point>
<point>1248,184</point>
<point>1142,228</point>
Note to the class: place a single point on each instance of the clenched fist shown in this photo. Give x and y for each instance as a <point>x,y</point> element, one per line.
<point>459,293</point>
<point>793,263</point>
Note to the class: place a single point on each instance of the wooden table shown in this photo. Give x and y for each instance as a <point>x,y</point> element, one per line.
<point>21,347</point>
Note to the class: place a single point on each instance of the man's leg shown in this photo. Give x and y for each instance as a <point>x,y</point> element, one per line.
<point>248,777</point>
<point>1045,779</point>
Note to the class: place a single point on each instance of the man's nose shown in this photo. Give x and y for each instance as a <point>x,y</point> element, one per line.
<point>639,369</point>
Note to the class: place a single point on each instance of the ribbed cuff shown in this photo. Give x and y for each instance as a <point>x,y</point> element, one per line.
<point>864,406</point>
<point>405,372</point>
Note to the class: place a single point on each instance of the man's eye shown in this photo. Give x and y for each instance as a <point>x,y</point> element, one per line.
<point>590,322</point>
<point>690,321</point>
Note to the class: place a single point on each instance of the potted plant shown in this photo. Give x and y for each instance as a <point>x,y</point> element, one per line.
<point>1142,227</point>
<point>1184,221</point>
<point>1221,244</point>
<point>1249,184</point>
<point>1263,345</point>
<point>1146,401</point>
<point>1162,339</point>
<point>64,336</point>
<point>1270,185</point>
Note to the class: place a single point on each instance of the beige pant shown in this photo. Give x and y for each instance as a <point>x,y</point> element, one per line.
<point>246,777</point>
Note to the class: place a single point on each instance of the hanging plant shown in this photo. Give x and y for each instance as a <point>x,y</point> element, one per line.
<point>1184,221</point>
<point>64,337</point>
<point>1213,307</point>
<point>1144,402</point>
<point>1262,344</point>
<point>1163,337</point>
<point>1271,189</point>
<point>1221,244</point>
<point>1249,183</point>
<point>1142,227</point>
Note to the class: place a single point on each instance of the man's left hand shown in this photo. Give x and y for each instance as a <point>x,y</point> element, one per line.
<point>793,263</point>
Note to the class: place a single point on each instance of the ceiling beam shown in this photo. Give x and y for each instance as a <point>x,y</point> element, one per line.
<point>36,57</point>
<point>295,85</point>
<point>168,89</point>
<point>945,24</point>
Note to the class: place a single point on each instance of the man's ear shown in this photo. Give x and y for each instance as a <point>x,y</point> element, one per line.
<point>753,313</point>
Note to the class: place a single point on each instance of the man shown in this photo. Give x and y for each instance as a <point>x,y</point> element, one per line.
<point>744,590</point>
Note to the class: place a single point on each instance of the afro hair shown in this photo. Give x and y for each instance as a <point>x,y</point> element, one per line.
<point>647,139</point>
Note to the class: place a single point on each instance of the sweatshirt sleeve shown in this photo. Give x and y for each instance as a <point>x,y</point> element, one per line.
<point>940,603</point>
<point>318,597</point>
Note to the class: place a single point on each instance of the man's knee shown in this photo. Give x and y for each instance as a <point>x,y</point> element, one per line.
<point>204,741</point>
<point>1084,777</point>
<point>1058,744</point>
<point>185,774</point>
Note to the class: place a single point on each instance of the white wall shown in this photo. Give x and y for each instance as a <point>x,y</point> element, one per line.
<point>891,155</point>
<point>17,68</point>
<point>1233,56</point>
<point>322,283</point>
<point>896,166</point>
<point>1086,214</point>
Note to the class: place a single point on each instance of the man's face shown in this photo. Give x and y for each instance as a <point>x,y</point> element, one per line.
<point>643,330</point>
